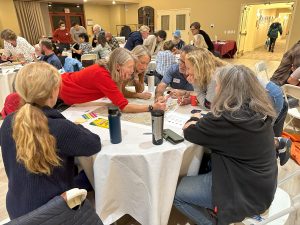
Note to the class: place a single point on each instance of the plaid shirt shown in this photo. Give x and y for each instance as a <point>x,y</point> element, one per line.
<point>113,43</point>
<point>289,59</point>
<point>164,60</point>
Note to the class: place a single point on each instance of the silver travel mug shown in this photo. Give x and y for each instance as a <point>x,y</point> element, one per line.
<point>157,126</point>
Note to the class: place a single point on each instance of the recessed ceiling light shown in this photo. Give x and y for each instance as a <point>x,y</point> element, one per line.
<point>85,0</point>
<point>113,2</point>
<point>49,4</point>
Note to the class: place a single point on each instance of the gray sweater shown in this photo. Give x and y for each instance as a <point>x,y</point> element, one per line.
<point>208,93</point>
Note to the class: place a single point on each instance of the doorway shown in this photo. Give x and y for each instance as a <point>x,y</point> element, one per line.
<point>254,25</point>
<point>69,13</point>
<point>174,19</point>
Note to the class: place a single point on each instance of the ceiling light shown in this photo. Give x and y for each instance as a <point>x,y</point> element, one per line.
<point>85,0</point>
<point>113,2</point>
<point>78,6</point>
<point>49,4</point>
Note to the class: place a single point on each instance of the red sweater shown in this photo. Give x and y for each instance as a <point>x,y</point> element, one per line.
<point>90,84</point>
<point>63,36</point>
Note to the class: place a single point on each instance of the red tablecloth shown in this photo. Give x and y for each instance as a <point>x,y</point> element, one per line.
<point>227,49</point>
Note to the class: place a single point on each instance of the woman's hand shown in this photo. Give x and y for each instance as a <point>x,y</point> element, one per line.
<point>197,115</point>
<point>161,99</point>
<point>188,124</point>
<point>4,58</point>
<point>159,106</point>
<point>144,95</point>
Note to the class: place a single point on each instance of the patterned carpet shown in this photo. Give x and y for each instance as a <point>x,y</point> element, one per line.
<point>262,53</point>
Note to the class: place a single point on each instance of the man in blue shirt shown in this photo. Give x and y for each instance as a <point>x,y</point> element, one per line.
<point>48,54</point>
<point>176,78</point>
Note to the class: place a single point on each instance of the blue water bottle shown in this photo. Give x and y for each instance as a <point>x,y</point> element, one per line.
<point>114,120</point>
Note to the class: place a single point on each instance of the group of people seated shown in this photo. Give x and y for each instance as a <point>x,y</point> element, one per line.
<point>242,129</point>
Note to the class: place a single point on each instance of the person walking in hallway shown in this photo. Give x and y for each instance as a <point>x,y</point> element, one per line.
<point>275,27</point>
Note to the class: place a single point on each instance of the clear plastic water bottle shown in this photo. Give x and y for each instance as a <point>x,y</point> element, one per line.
<point>114,120</point>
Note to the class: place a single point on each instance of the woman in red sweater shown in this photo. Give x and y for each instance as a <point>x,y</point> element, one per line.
<point>62,36</point>
<point>96,82</point>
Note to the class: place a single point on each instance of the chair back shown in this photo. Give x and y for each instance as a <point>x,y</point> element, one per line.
<point>261,66</point>
<point>69,208</point>
<point>89,57</point>
<point>291,90</point>
<point>283,204</point>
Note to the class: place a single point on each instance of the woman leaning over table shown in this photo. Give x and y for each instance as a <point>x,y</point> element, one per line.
<point>239,133</point>
<point>39,145</point>
<point>104,80</point>
<point>201,66</point>
<point>143,58</point>
<point>15,47</point>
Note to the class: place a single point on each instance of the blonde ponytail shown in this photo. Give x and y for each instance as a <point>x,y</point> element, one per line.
<point>35,146</point>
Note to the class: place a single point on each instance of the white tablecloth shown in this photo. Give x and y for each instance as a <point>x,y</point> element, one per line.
<point>136,177</point>
<point>6,84</point>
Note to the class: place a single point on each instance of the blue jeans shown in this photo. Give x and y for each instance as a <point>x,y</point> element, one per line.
<point>193,195</point>
<point>276,96</point>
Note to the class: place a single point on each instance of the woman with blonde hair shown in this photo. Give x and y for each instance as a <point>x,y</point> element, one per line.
<point>104,79</point>
<point>143,58</point>
<point>238,131</point>
<point>201,66</point>
<point>38,144</point>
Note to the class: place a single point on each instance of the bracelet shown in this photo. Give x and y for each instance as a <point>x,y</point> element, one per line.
<point>150,108</point>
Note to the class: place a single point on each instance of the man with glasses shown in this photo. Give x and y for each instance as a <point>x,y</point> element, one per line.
<point>195,29</point>
<point>176,78</point>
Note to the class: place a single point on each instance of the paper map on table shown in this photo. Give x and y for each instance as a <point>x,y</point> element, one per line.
<point>176,119</point>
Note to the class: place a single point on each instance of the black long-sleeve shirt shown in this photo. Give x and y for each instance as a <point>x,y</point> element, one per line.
<point>208,41</point>
<point>28,191</point>
<point>244,168</point>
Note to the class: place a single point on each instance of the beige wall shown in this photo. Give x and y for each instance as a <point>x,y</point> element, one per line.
<point>225,15</point>
<point>100,14</point>
<point>117,17</point>
<point>8,17</point>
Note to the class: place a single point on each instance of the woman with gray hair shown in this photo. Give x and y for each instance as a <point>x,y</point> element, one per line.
<point>143,58</point>
<point>104,79</point>
<point>239,133</point>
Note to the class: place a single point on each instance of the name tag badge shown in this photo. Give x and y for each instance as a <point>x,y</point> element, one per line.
<point>175,80</point>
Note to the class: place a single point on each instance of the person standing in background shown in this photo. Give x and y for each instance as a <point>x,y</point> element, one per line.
<point>62,36</point>
<point>97,30</point>
<point>289,61</point>
<point>273,34</point>
<point>75,31</point>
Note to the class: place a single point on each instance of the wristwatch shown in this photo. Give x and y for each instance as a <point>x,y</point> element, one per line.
<point>150,108</point>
